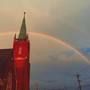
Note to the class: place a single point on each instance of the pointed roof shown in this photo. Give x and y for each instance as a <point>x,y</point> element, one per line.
<point>23,34</point>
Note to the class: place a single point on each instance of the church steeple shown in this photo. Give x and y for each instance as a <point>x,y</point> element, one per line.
<point>21,57</point>
<point>23,34</point>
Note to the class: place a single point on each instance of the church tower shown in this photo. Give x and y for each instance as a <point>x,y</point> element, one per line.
<point>21,55</point>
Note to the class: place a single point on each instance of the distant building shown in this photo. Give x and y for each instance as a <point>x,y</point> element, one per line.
<point>14,63</point>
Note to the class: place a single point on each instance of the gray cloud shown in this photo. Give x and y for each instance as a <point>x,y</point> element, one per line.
<point>67,20</point>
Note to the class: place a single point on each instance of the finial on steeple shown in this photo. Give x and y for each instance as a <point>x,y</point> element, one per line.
<point>22,34</point>
<point>24,13</point>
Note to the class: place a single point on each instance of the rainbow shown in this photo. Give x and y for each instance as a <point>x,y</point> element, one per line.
<point>55,39</point>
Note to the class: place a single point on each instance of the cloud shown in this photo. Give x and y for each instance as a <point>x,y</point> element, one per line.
<point>67,20</point>
<point>61,21</point>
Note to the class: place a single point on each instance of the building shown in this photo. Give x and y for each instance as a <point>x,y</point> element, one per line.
<point>14,63</point>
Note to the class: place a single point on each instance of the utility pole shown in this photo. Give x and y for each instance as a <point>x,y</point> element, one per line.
<point>79,81</point>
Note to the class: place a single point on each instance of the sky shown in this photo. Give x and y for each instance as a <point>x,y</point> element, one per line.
<point>64,19</point>
<point>67,20</point>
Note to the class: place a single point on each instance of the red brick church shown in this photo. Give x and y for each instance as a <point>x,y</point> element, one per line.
<point>14,63</point>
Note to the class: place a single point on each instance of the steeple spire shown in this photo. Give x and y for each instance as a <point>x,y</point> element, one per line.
<point>23,34</point>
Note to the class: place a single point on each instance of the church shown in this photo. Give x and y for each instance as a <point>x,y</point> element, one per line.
<point>14,62</point>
